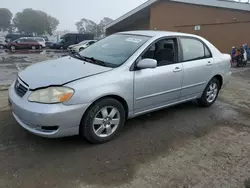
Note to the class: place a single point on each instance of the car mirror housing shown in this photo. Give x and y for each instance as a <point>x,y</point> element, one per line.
<point>147,64</point>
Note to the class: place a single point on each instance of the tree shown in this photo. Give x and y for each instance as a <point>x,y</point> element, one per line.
<point>105,21</point>
<point>35,21</point>
<point>89,26</point>
<point>5,19</point>
<point>53,22</point>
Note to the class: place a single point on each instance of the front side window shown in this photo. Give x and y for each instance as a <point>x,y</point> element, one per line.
<point>193,49</point>
<point>21,40</point>
<point>115,49</point>
<point>163,51</point>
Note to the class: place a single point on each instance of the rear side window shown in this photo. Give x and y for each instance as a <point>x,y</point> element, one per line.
<point>39,40</point>
<point>193,49</point>
<point>30,40</point>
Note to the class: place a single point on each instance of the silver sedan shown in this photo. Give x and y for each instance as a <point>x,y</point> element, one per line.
<point>124,75</point>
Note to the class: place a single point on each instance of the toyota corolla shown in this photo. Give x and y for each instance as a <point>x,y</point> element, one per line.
<point>93,93</point>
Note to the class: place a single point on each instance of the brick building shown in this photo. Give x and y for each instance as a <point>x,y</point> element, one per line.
<point>224,23</point>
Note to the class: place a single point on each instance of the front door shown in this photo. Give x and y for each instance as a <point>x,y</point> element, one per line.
<point>197,67</point>
<point>20,44</point>
<point>158,87</point>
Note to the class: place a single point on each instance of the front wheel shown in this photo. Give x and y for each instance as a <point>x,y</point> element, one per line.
<point>210,93</point>
<point>103,121</point>
<point>12,48</point>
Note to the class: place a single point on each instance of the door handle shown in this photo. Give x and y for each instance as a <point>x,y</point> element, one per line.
<point>177,69</point>
<point>209,63</point>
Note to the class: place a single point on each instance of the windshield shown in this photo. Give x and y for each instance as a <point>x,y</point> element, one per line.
<point>83,42</point>
<point>61,41</point>
<point>115,49</point>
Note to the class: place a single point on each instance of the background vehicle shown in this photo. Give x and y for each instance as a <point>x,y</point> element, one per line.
<point>14,36</point>
<point>82,45</point>
<point>119,77</point>
<point>71,39</point>
<point>49,44</point>
<point>24,43</point>
<point>40,40</point>
<point>44,37</point>
<point>2,42</point>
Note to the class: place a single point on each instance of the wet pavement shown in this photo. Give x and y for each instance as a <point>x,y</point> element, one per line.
<point>182,146</point>
<point>12,62</point>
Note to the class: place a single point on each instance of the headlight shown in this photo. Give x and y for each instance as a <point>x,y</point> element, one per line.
<point>51,95</point>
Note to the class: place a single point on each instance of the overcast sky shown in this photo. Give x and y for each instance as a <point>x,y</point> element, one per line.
<point>70,11</point>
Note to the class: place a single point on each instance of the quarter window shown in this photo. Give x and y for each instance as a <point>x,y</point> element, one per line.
<point>194,49</point>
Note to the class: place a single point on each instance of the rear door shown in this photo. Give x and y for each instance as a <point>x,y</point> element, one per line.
<point>197,66</point>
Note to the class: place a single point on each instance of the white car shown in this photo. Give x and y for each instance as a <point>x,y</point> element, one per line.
<point>80,46</point>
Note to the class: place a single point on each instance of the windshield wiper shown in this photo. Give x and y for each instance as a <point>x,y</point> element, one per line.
<point>78,56</point>
<point>90,59</point>
<point>93,60</point>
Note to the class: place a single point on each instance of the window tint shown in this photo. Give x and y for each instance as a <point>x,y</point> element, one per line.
<point>22,40</point>
<point>193,49</point>
<point>163,51</point>
<point>39,39</point>
<point>91,42</point>
<point>30,40</point>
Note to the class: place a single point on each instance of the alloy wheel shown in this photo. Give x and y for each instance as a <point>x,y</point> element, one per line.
<point>212,92</point>
<point>106,121</point>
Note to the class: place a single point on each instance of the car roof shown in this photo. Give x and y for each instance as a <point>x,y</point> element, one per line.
<point>153,33</point>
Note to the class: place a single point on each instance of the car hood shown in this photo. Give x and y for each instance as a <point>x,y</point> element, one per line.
<point>59,72</point>
<point>71,46</point>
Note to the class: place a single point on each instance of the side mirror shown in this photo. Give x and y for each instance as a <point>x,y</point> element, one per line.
<point>147,64</point>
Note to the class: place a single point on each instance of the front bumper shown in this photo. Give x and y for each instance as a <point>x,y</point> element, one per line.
<point>72,50</point>
<point>46,120</point>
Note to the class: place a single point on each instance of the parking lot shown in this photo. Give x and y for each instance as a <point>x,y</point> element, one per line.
<point>183,146</point>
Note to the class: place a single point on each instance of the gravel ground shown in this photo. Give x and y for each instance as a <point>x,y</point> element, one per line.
<point>183,146</point>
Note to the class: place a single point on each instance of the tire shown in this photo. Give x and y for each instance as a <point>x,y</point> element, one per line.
<point>205,101</point>
<point>33,47</point>
<point>12,47</point>
<point>81,49</point>
<point>1,46</point>
<point>106,130</point>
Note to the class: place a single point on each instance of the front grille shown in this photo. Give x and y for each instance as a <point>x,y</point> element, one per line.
<point>20,88</point>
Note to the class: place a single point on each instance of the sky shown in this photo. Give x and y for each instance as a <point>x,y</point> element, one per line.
<point>70,11</point>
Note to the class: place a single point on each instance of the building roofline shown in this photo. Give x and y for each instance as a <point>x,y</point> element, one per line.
<point>213,3</point>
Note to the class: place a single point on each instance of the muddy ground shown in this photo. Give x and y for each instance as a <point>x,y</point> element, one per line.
<point>183,146</point>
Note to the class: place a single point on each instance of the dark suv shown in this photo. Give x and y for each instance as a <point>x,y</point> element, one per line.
<point>24,44</point>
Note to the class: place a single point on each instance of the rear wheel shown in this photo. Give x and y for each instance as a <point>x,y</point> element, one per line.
<point>103,121</point>
<point>210,93</point>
